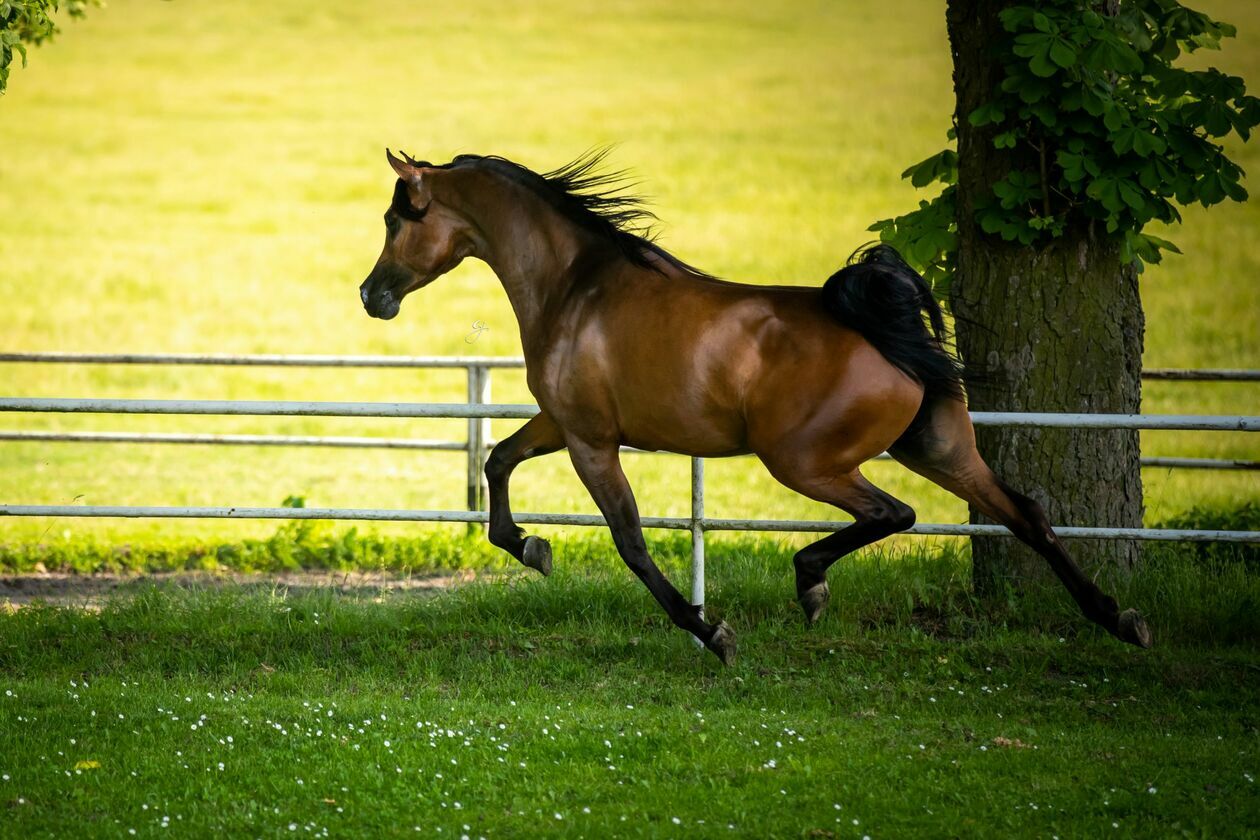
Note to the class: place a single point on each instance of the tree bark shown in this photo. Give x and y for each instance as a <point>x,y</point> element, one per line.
<point>1054,328</point>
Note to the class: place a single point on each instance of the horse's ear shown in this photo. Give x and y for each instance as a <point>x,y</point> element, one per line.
<point>407,170</point>
<point>413,178</point>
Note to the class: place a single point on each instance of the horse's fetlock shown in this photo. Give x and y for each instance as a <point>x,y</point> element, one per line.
<point>506,538</point>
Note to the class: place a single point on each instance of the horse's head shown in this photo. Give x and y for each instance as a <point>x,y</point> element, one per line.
<point>424,239</point>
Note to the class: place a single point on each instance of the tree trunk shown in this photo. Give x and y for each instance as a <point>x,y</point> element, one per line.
<point>1054,328</point>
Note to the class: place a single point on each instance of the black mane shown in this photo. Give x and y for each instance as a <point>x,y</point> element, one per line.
<point>597,201</point>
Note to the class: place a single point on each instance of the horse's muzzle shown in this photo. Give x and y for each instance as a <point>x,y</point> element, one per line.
<point>380,292</point>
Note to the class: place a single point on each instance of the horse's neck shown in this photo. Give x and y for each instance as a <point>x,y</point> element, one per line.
<point>536,256</point>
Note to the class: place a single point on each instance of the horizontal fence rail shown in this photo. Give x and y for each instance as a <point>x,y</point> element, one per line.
<point>267,360</point>
<point>662,522</point>
<point>268,408</point>
<point>335,442</point>
<point>1229,422</point>
<point>1203,375</point>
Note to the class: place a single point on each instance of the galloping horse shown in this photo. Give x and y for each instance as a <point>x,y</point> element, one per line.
<point>626,345</point>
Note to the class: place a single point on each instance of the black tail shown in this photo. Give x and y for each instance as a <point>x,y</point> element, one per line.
<point>885,300</point>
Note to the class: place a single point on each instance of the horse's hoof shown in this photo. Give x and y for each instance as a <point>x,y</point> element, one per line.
<point>1131,628</point>
<point>814,601</point>
<point>722,643</point>
<point>537,554</point>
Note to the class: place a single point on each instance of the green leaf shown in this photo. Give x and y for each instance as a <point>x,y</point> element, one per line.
<point>1146,144</point>
<point>1062,53</point>
<point>1095,102</point>
<point>1162,244</point>
<point>1028,87</point>
<point>1036,47</point>
<point>942,167</point>
<point>1106,191</point>
<point>924,251</point>
<point>1077,167</point>
<point>1210,189</point>
<point>1041,64</point>
<point>1114,118</point>
<point>1017,188</point>
<point>1157,175</point>
<point>986,114</point>
<point>1122,141</point>
<point>1045,113</point>
<point>1131,194</point>
<point>1109,54</point>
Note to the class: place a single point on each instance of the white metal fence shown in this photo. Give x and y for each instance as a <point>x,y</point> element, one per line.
<point>478,410</point>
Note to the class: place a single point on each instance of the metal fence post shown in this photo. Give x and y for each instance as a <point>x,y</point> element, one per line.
<point>478,435</point>
<point>697,536</point>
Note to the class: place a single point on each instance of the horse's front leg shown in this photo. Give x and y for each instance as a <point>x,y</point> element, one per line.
<point>539,436</point>
<point>599,467</point>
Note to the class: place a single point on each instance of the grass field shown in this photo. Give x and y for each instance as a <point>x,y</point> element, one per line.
<point>521,707</point>
<point>210,177</point>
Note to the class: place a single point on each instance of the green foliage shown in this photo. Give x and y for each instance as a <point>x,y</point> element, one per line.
<point>1101,128</point>
<point>928,236</point>
<point>25,22</point>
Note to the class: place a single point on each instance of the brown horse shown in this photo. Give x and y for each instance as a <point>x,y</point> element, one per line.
<point>626,345</point>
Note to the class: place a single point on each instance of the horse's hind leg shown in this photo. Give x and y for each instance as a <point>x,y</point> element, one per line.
<point>875,514</point>
<point>539,436</point>
<point>943,449</point>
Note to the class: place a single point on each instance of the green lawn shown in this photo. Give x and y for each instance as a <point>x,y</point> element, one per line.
<point>210,178</point>
<point>523,706</point>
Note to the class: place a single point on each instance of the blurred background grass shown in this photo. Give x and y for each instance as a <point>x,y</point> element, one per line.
<point>209,177</point>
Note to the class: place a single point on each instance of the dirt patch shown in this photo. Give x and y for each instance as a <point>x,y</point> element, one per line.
<point>91,591</point>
